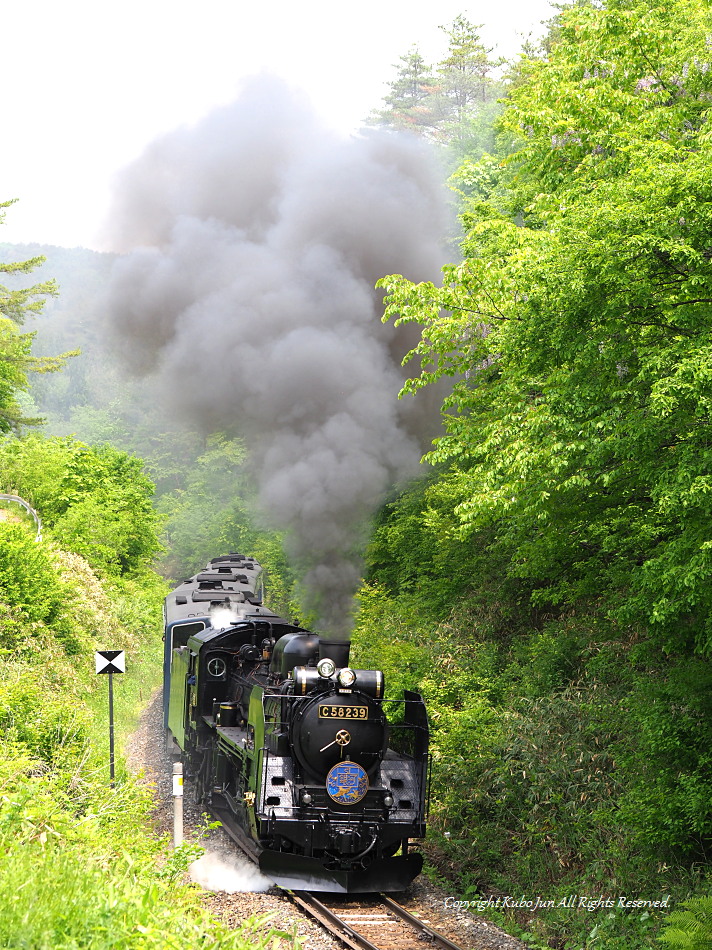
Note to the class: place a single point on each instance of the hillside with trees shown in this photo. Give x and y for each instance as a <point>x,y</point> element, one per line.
<point>83,863</point>
<point>550,582</point>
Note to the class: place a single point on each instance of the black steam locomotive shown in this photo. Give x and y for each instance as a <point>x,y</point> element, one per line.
<point>318,777</point>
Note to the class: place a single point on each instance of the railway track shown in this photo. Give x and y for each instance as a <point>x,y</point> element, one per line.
<point>373,922</point>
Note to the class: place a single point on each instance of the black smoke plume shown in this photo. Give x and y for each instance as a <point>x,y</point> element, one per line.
<point>252,243</point>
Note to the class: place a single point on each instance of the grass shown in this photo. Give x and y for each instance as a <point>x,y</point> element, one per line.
<point>81,864</point>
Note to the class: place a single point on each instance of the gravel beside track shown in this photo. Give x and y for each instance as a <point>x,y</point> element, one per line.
<point>146,755</point>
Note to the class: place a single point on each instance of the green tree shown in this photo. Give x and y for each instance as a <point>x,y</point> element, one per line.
<point>16,360</point>
<point>28,579</point>
<point>410,102</point>
<point>95,501</point>
<point>455,103</point>
<point>578,327</point>
<point>573,478</point>
<point>16,303</point>
<point>468,89</point>
<point>14,354</point>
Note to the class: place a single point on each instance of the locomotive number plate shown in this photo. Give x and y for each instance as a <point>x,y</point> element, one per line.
<point>343,712</point>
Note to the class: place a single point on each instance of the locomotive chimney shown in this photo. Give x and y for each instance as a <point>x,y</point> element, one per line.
<point>336,650</point>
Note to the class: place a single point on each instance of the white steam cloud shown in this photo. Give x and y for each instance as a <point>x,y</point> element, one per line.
<point>254,241</point>
<point>231,873</point>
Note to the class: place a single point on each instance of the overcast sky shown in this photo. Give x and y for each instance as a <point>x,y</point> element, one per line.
<point>87,84</point>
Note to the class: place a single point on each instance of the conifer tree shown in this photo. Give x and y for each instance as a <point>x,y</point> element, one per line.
<point>466,74</point>
<point>410,101</point>
<point>16,360</point>
<point>453,104</point>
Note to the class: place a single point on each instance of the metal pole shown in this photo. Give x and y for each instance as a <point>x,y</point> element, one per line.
<point>177,804</point>
<point>111,728</point>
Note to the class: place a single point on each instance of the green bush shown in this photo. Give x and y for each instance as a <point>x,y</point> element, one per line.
<point>46,722</point>
<point>567,758</point>
<point>94,501</point>
<point>28,579</point>
<point>668,803</point>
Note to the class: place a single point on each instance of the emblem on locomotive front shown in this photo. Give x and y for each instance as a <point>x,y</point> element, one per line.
<point>347,783</point>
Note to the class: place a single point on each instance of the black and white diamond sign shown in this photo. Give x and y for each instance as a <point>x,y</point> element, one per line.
<point>110,661</point>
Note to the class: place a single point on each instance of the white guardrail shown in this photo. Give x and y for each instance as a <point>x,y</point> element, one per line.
<point>28,507</point>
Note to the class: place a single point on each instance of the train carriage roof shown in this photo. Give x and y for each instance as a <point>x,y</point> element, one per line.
<point>229,582</point>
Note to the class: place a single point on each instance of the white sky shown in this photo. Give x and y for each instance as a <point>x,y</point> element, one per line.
<point>86,84</point>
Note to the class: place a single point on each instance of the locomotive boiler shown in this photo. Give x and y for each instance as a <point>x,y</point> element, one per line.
<point>317,776</point>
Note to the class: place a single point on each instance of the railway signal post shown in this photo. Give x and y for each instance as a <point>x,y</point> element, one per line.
<point>110,661</point>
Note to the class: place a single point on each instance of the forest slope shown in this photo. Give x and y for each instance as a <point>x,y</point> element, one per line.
<point>85,867</point>
<point>555,570</point>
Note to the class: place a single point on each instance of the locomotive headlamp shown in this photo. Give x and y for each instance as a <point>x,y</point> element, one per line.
<point>388,800</point>
<point>326,668</point>
<point>306,798</point>
<point>346,677</point>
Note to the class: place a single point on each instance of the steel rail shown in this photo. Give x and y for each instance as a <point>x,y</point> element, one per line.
<point>331,921</point>
<point>340,929</point>
<point>409,918</point>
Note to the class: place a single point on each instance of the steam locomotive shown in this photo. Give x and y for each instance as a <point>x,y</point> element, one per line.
<point>321,780</point>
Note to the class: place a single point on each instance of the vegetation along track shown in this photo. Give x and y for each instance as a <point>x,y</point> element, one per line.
<point>372,922</point>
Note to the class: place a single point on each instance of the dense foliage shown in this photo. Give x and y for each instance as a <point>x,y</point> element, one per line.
<point>579,324</point>
<point>565,530</point>
<point>16,360</point>
<point>95,501</point>
<point>86,869</point>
